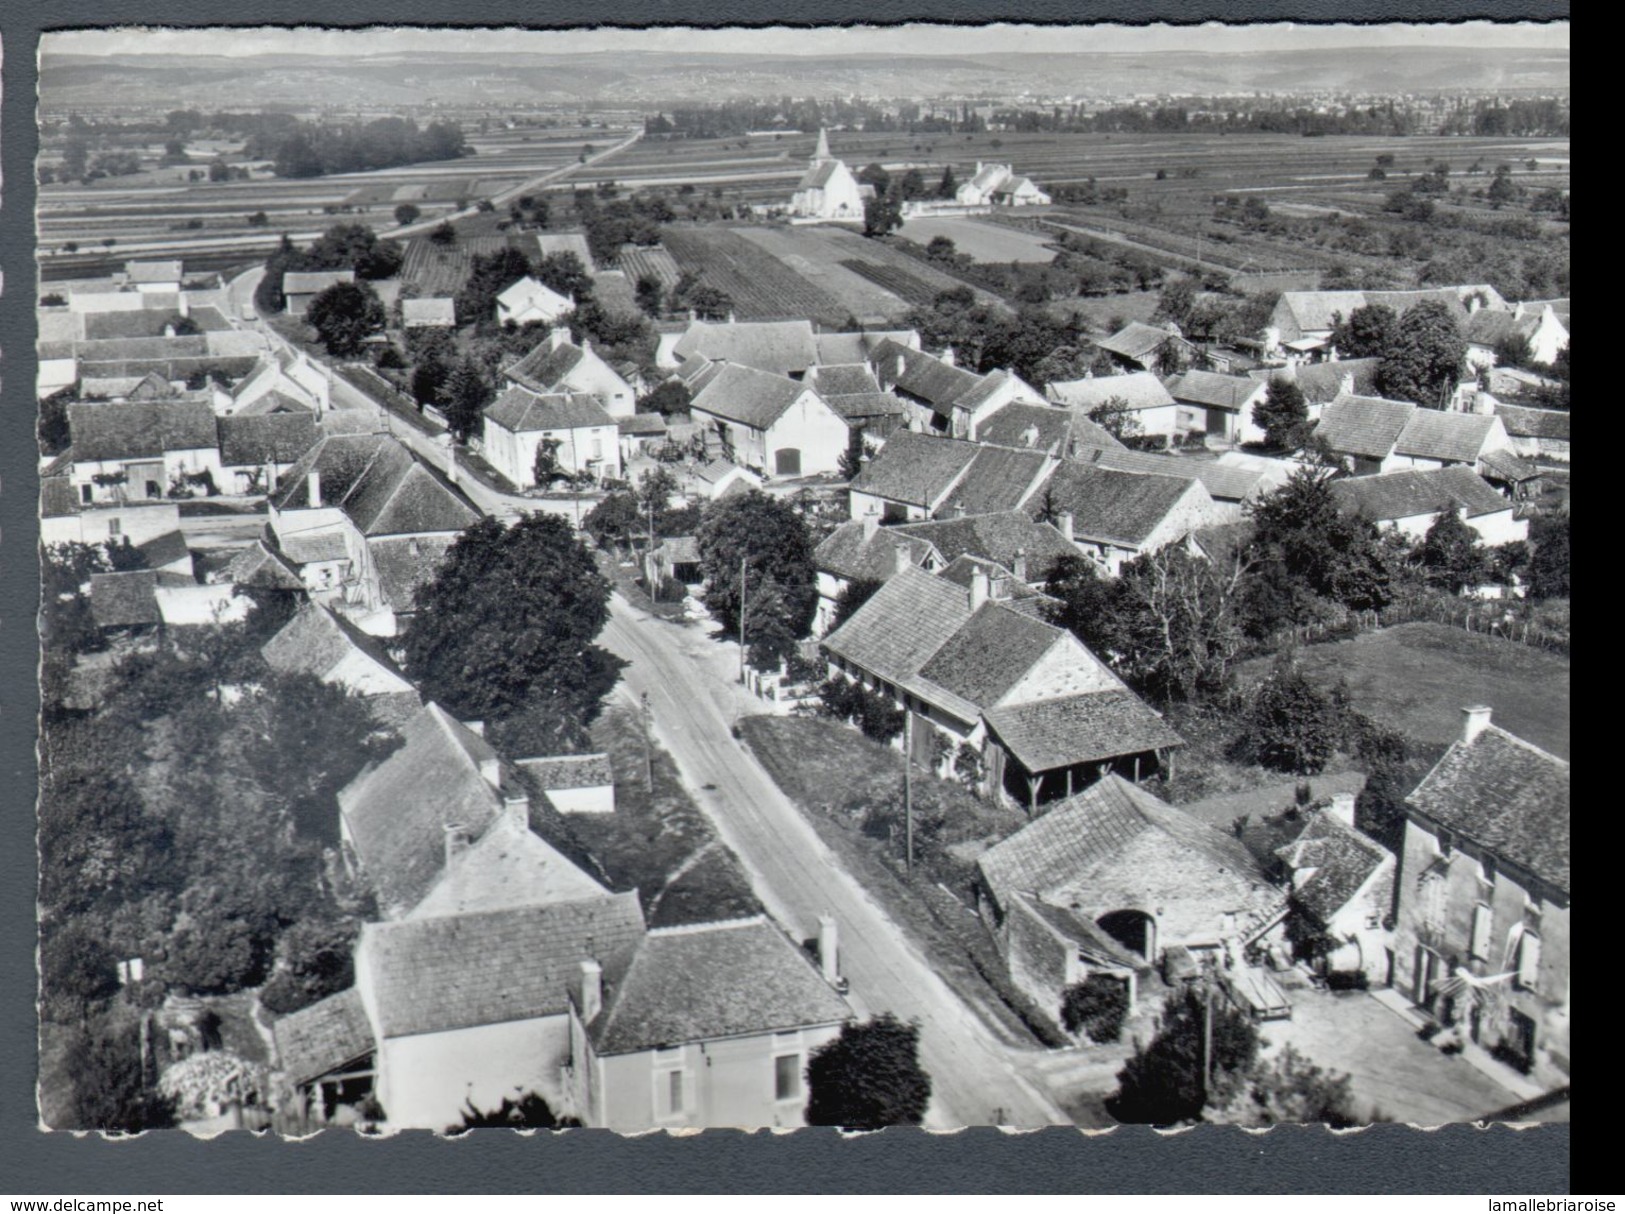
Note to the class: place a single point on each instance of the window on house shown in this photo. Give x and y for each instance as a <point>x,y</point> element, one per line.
<point>1482,919</point>
<point>1447,843</point>
<point>85,492</point>
<point>1487,868</point>
<point>1529,962</point>
<point>154,489</point>
<point>787,1077</point>
<point>115,528</point>
<point>672,1093</point>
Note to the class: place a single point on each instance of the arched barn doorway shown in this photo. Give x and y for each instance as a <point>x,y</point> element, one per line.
<point>1134,930</point>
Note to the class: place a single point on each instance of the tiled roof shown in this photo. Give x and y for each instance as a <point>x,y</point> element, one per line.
<point>141,349</point>
<point>882,411</point>
<point>1504,466</point>
<point>428,312</point>
<point>1534,423</point>
<point>989,654</point>
<point>521,410</point>
<point>1080,835</point>
<point>845,348</point>
<point>1042,428</point>
<point>1441,435</point>
<point>1002,584</point>
<point>569,771</point>
<point>314,282</point>
<point>543,369</point>
<point>460,971</point>
<point>919,375</point>
<point>380,484</point>
<point>697,372</point>
<point>1209,388</point>
<point>166,549</point>
<point>263,567</point>
<point>842,379</point>
<point>917,469</point>
<point>123,600</point>
<point>1363,425</point>
<point>137,430</point>
<point>57,497</point>
<point>901,626</point>
<point>848,553</point>
<point>322,1037</point>
<point>1081,930</point>
<point>1139,390</point>
<point>999,478</point>
<point>1108,506</point>
<point>105,326</point>
<point>750,397</point>
<point>509,868</point>
<point>1322,382</point>
<point>642,424</point>
<point>1408,494</point>
<point>397,811</point>
<point>268,438</point>
<point>1227,482</point>
<point>153,271</point>
<point>316,640</point>
<point>529,291</point>
<point>1135,340</point>
<point>714,472</point>
<point>781,346</point>
<point>712,981</point>
<point>819,175</point>
<point>996,537</point>
<point>1505,795</point>
<point>1343,860</point>
<point>405,564</point>
<point>1223,541</point>
<point>305,548</point>
<point>1317,310</point>
<point>1047,734</point>
<point>565,242</point>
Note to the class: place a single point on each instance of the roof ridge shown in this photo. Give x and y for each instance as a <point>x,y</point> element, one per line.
<point>1528,745</point>
<point>710,925</point>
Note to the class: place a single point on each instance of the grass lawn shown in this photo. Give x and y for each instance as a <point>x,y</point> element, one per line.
<point>662,845</point>
<point>850,790</point>
<point>1416,678</point>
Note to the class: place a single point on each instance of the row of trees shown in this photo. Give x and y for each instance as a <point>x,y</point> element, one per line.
<point>344,246</point>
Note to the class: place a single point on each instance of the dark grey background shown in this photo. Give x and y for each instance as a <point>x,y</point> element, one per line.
<point>1383,1159</point>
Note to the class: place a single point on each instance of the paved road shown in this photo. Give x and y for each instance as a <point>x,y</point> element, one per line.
<point>798,879</point>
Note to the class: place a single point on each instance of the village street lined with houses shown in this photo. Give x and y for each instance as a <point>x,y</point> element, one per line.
<point>671,608</point>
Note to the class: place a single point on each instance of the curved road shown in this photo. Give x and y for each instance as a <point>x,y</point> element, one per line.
<point>796,877</point>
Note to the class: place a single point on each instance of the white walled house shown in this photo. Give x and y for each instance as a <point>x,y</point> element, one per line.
<point>558,365</point>
<point>1538,324</point>
<point>1114,516</point>
<point>138,450</point>
<point>998,185</point>
<point>1342,888</point>
<point>528,301</point>
<point>1411,502</point>
<point>518,422</point>
<point>1156,411</point>
<point>574,784</point>
<point>771,422</point>
<point>1382,436</point>
<point>299,287</point>
<point>709,1024</point>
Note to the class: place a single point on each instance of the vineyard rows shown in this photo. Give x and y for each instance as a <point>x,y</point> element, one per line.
<point>654,262</point>
<point>899,282</point>
<point>761,286</point>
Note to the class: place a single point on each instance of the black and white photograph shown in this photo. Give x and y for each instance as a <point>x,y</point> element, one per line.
<point>699,578</point>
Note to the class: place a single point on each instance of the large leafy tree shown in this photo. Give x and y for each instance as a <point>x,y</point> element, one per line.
<point>768,539</point>
<point>1180,620</point>
<point>108,1086</point>
<point>1164,1082</point>
<point>507,625</point>
<point>489,275</point>
<point>465,394</point>
<point>1451,554</point>
<point>1087,605</point>
<point>1292,725</point>
<point>869,1077</point>
<point>344,316</point>
<point>1424,356</point>
<point>1549,563</point>
<point>1291,1089</point>
<point>1117,417</point>
<point>1283,415</point>
<point>1365,332</point>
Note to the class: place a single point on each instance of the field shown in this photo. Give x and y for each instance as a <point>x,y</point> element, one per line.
<point>761,286</point>
<point>983,241</point>
<point>436,270</point>
<point>656,263</point>
<point>1416,679</point>
<point>154,213</point>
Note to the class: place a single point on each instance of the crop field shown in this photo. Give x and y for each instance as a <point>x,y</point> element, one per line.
<point>435,270</point>
<point>761,286</point>
<point>160,213</point>
<point>814,257</point>
<point>656,263</point>
<point>749,169</point>
<point>898,282</point>
<point>982,240</point>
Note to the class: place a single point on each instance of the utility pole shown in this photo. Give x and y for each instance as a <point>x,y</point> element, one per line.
<point>908,791</point>
<point>1207,1037</point>
<point>742,563</point>
<point>648,750</point>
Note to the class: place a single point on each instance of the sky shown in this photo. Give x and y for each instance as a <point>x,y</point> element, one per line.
<point>906,39</point>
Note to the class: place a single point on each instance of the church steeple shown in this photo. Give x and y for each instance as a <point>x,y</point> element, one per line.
<point>822,150</point>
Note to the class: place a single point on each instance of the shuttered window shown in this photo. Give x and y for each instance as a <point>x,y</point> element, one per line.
<point>1529,962</point>
<point>1482,917</point>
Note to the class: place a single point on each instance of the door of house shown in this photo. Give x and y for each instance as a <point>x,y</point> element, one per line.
<point>923,736</point>
<point>787,461</point>
<point>1522,1036</point>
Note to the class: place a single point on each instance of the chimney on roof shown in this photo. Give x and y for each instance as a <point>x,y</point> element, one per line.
<point>1064,524</point>
<point>475,727</point>
<point>314,481</point>
<point>899,373</point>
<point>558,337</point>
<point>731,319</point>
<point>1020,566</point>
<point>1474,721</point>
<point>491,771</point>
<point>1346,384</point>
<point>457,841</point>
<point>586,345</point>
<point>829,958</point>
<point>516,808</point>
<point>592,991</point>
<point>979,588</point>
<point>1342,808</point>
<point>950,358</point>
<point>1474,302</point>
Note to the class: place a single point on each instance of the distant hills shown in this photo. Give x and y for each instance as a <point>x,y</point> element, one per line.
<point>647,78</point>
